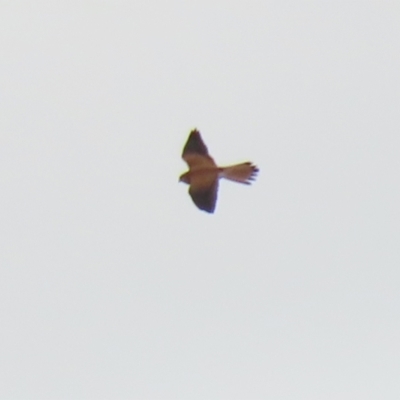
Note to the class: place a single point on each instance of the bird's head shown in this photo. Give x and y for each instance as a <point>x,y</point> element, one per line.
<point>185,178</point>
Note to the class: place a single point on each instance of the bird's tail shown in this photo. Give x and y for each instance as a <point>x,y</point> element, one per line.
<point>242,173</point>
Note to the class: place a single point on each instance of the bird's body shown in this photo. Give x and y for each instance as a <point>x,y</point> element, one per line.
<point>204,174</point>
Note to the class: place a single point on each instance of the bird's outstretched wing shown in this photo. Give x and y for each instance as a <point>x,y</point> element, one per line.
<point>204,193</point>
<point>203,173</point>
<point>195,152</point>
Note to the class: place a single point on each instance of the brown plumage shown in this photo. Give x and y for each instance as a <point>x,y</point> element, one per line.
<point>204,174</point>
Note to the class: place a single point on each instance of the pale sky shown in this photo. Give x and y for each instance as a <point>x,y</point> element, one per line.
<point>113,285</point>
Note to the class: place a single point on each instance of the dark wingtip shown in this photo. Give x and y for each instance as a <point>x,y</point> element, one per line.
<point>195,144</point>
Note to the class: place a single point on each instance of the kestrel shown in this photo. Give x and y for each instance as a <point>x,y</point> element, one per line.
<point>204,174</point>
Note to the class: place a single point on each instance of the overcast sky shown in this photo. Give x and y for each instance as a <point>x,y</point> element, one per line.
<point>113,285</point>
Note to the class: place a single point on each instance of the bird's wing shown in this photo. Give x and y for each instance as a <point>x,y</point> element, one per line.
<point>195,152</point>
<point>203,189</point>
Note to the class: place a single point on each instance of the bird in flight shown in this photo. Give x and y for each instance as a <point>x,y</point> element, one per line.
<point>204,174</point>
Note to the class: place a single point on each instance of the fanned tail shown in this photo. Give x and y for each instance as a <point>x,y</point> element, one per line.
<point>242,173</point>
